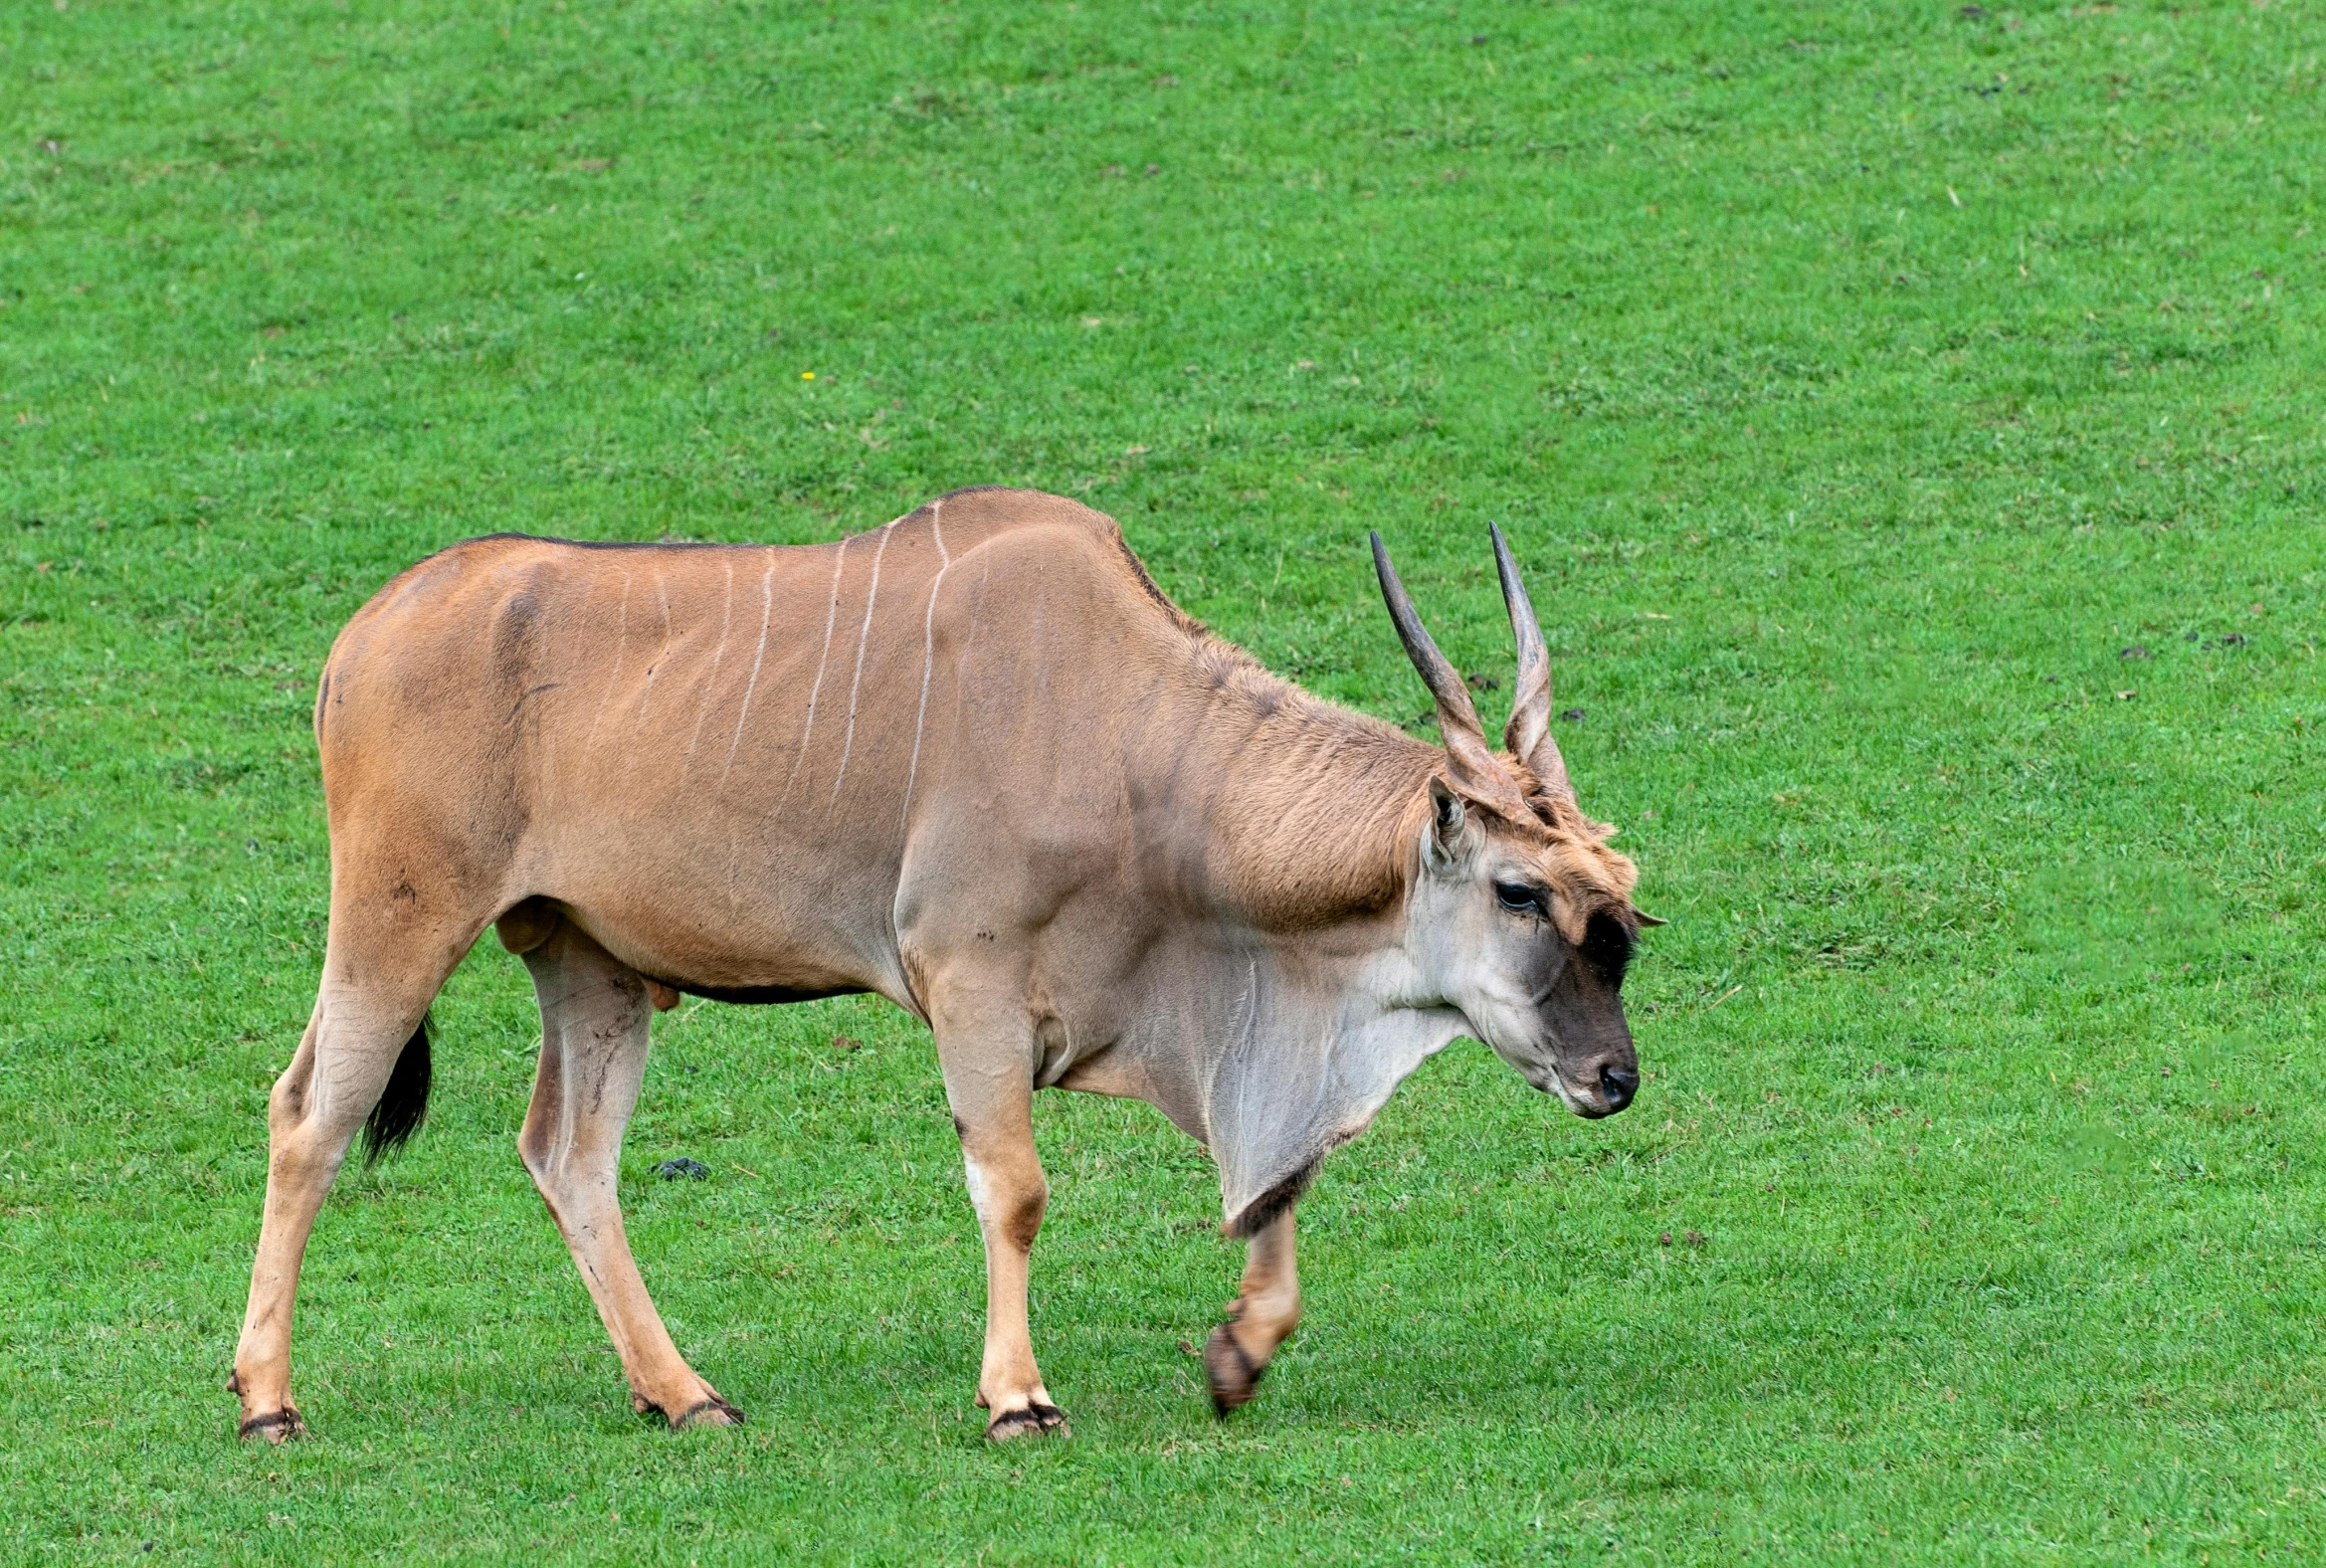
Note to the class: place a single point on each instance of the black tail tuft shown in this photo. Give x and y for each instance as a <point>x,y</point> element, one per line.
<point>404,1105</point>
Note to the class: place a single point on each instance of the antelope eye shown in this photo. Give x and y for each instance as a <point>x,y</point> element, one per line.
<point>1519,898</point>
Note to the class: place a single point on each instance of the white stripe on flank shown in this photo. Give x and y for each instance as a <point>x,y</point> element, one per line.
<point>830,614</point>
<point>766,606</point>
<point>928,653</point>
<point>863,637</point>
<point>710,678</point>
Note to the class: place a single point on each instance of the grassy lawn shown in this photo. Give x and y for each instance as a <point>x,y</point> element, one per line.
<point>1910,419</point>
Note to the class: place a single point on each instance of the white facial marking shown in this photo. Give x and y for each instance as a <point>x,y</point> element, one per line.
<point>1462,941</point>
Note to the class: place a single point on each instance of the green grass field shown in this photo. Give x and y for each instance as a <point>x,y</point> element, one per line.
<point>1911,417</point>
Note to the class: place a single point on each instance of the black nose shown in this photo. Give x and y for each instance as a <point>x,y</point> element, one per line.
<point>1618,1084</point>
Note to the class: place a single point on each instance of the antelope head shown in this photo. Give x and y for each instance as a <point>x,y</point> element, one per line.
<point>1520,914</point>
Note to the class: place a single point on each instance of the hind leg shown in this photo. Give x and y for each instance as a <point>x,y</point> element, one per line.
<point>595,1011</point>
<point>343,1064</point>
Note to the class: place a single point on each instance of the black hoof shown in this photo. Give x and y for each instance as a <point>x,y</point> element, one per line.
<point>1010,1425</point>
<point>277,1425</point>
<point>712,1412</point>
<point>1232,1373</point>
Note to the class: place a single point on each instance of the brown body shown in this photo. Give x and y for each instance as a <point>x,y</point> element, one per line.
<point>972,761</point>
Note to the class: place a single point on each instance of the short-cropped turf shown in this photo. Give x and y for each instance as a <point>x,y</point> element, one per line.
<point>1909,420</point>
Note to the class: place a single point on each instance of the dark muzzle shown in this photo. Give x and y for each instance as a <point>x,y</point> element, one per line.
<point>1617,1086</point>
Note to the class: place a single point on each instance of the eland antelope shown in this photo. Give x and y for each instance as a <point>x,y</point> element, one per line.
<point>975,762</point>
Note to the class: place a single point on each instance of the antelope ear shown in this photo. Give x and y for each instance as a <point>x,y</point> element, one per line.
<point>1447,817</point>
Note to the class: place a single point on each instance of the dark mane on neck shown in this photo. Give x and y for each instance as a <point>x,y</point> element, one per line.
<point>1315,811</point>
<point>1311,813</point>
<point>1315,808</point>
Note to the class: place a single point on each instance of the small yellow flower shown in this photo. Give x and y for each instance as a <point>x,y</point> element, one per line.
<point>807,375</point>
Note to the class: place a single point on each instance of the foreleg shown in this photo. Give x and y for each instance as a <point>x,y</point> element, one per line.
<point>1259,1321</point>
<point>993,1108</point>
